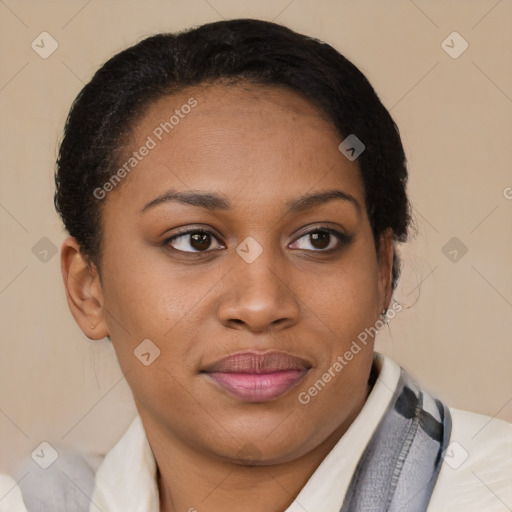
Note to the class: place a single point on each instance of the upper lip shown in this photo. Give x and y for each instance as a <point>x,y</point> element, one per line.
<point>258,362</point>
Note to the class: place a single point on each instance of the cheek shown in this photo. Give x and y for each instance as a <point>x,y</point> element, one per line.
<point>347,307</point>
<point>145,295</point>
<point>147,298</point>
<point>347,293</point>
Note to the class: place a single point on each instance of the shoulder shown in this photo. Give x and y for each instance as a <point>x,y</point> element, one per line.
<point>476,473</point>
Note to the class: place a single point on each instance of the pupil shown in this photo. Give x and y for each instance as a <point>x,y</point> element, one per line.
<point>201,238</point>
<point>322,239</point>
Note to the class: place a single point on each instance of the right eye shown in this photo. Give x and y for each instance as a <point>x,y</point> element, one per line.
<point>198,239</point>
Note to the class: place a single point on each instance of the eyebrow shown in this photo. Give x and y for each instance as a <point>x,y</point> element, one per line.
<point>212,201</point>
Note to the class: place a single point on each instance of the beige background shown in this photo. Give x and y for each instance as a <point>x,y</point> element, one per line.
<point>455,116</point>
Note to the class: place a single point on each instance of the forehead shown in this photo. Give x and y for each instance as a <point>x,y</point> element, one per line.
<point>254,143</point>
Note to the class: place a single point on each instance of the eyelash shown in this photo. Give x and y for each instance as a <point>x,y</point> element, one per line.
<point>342,238</point>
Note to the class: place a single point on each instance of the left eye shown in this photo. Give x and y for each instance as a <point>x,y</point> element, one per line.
<point>325,240</point>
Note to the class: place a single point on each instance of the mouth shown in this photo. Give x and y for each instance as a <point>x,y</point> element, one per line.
<point>258,377</point>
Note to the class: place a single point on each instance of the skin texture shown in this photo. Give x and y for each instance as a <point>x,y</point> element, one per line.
<point>259,147</point>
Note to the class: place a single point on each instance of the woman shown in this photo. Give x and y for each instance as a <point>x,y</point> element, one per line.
<point>234,195</point>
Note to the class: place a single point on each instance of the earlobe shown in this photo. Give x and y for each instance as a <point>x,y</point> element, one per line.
<point>386,254</point>
<point>83,290</point>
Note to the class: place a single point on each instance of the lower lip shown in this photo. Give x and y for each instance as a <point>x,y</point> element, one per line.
<point>258,387</point>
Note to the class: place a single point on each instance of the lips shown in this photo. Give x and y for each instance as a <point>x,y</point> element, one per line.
<point>257,377</point>
<point>254,362</point>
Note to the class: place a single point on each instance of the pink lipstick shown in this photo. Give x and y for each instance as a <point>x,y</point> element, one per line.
<point>258,377</point>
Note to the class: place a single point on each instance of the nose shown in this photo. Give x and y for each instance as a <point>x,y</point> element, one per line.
<point>259,296</point>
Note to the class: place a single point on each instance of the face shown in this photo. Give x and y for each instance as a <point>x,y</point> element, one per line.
<point>247,266</point>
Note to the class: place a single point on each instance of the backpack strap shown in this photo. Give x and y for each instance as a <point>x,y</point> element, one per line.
<point>399,468</point>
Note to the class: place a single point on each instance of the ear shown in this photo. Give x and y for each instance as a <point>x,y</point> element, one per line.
<point>385,256</point>
<point>83,290</point>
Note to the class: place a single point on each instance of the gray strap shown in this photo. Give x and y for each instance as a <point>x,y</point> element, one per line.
<point>399,468</point>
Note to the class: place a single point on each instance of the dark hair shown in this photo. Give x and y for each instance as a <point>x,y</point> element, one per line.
<point>261,52</point>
